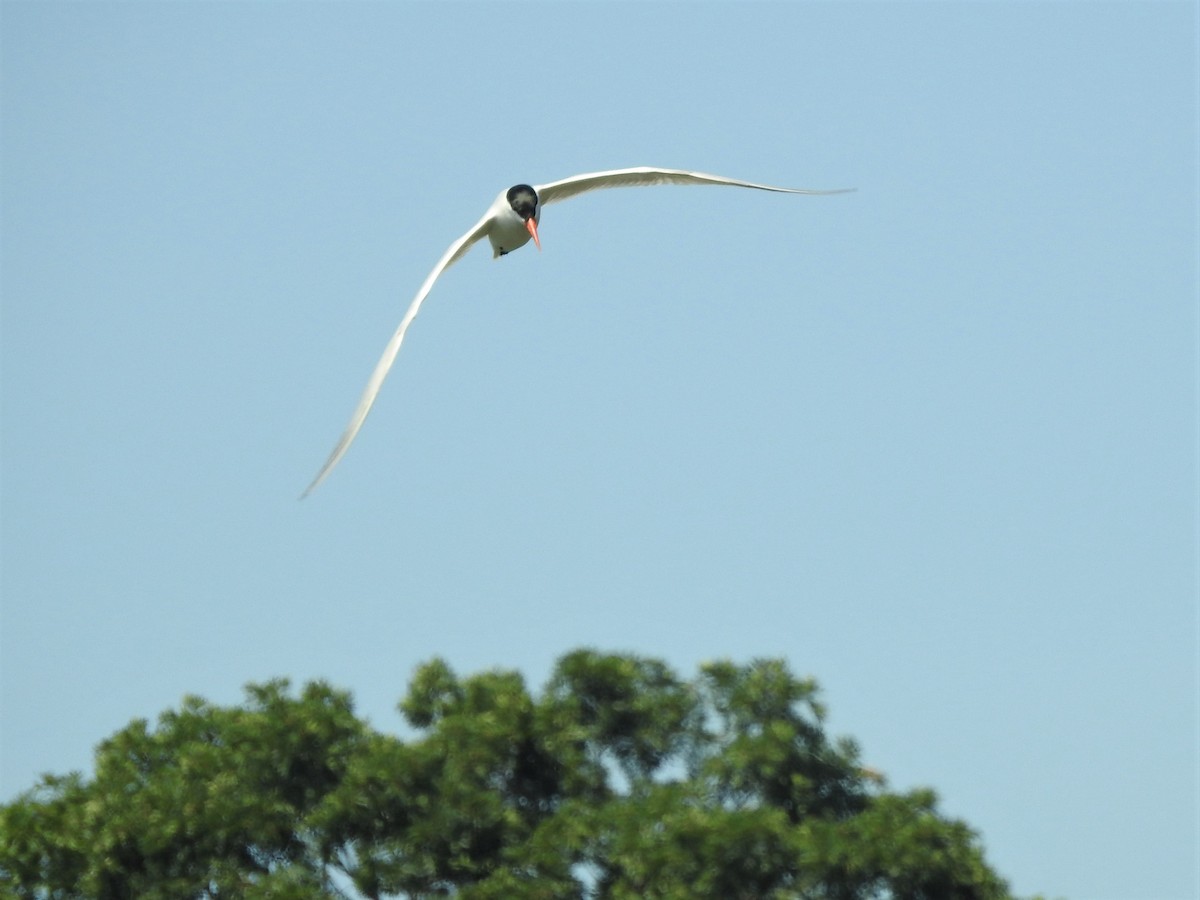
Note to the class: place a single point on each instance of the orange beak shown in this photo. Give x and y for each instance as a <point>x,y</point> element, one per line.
<point>531,227</point>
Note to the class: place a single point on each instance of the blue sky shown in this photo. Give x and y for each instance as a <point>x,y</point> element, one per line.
<point>933,442</point>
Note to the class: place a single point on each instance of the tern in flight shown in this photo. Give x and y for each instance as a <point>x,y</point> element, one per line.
<point>508,224</point>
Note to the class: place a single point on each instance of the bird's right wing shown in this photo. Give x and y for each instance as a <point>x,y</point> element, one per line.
<point>453,254</point>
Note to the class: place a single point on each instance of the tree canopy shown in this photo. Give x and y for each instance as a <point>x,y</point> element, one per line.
<point>619,780</point>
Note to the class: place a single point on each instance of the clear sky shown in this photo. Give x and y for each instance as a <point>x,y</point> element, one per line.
<point>933,442</point>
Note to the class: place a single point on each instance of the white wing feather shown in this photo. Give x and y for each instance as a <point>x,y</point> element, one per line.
<point>645,176</point>
<point>452,255</point>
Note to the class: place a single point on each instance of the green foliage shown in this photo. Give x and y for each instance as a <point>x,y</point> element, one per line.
<point>619,781</point>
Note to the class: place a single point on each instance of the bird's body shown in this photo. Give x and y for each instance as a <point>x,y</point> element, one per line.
<point>508,232</point>
<point>509,223</point>
<point>508,219</point>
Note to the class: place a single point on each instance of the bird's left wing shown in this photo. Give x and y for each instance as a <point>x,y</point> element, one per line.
<point>645,176</point>
<point>453,254</point>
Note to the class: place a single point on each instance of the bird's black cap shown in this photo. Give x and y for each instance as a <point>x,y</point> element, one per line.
<point>523,199</point>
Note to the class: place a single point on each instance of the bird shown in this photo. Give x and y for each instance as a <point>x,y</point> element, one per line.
<point>509,224</point>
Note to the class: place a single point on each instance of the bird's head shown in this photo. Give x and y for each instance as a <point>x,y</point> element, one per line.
<point>524,202</point>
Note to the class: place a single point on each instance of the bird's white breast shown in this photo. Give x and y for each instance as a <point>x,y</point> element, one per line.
<point>508,230</point>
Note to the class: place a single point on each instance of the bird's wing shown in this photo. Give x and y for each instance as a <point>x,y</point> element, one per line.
<point>453,254</point>
<point>644,176</point>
